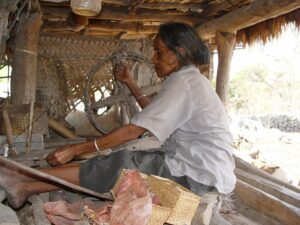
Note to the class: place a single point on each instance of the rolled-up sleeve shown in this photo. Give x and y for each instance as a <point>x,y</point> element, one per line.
<point>171,108</point>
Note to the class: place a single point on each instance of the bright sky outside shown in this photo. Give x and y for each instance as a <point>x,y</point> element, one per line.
<point>285,48</point>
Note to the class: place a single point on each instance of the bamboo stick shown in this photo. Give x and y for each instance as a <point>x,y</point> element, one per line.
<point>12,150</point>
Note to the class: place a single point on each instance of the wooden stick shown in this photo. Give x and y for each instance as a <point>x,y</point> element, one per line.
<point>15,165</point>
<point>29,130</point>
<point>9,134</point>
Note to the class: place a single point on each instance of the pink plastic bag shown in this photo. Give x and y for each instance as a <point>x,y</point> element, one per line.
<point>133,204</point>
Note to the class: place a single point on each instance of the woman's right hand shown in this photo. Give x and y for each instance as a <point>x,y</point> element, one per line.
<point>61,155</point>
<point>123,73</point>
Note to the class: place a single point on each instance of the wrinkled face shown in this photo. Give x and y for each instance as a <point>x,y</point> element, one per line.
<point>164,59</point>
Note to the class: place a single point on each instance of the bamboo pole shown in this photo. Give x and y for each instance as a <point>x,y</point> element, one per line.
<point>61,129</point>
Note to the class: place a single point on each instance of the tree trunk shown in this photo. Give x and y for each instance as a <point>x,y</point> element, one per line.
<point>225,44</point>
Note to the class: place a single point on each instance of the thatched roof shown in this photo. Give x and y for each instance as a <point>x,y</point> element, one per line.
<point>269,29</point>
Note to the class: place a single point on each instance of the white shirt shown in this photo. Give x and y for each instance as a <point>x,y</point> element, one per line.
<point>188,117</point>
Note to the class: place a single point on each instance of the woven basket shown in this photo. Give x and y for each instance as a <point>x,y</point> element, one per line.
<point>178,204</point>
<point>19,119</point>
<point>182,201</point>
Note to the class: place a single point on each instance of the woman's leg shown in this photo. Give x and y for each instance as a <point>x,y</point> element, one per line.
<point>19,187</point>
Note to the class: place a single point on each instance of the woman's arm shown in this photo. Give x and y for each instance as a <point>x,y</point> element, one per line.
<point>123,74</point>
<point>119,136</point>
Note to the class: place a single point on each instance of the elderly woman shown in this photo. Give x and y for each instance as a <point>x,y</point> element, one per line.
<point>186,116</point>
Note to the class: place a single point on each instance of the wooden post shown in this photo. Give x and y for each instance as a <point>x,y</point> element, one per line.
<point>23,83</point>
<point>225,44</point>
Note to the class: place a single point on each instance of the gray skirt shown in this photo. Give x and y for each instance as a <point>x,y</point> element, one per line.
<point>101,172</point>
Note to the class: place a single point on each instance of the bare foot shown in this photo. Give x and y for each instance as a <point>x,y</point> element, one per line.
<point>13,184</point>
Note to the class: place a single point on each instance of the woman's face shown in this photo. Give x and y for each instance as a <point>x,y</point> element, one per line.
<point>164,59</point>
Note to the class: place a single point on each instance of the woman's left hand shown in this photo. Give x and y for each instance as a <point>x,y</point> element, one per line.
<point>61,155</point>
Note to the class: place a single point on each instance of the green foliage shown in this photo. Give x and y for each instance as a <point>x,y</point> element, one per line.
<point>256,90</point>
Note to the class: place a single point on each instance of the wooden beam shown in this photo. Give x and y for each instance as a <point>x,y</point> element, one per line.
<point>241,164</point>
<point>283,193</point>
<point>194,7</point>
<point>213,9</point>
<point>258,11</point>
<point>75,24</point>
<point>56,12</point>
<point>102,33</point>
<point>121,27</point>
<point>267,204</point>
<point>145,16</point>
<point>134,6</point>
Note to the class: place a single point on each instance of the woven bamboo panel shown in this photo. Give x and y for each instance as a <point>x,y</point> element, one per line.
<point>65,62</point>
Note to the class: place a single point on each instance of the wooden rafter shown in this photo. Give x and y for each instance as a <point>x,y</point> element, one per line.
<point>121,27</point>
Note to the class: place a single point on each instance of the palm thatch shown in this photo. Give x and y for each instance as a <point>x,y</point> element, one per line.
<point>269,29</point>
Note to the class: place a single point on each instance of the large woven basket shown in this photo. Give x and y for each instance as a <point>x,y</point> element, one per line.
<point>178,204</point>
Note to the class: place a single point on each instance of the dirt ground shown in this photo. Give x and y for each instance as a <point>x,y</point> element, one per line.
<point>273,148</point>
